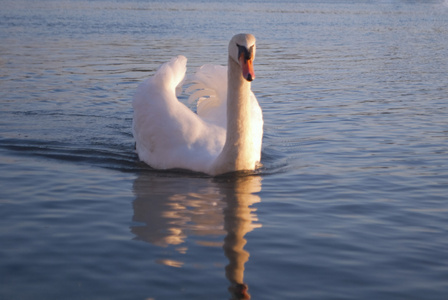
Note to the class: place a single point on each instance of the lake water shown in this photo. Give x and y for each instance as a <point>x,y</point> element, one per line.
<point>352,198</point>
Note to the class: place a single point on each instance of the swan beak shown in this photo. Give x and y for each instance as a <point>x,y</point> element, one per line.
<point>247,66</point>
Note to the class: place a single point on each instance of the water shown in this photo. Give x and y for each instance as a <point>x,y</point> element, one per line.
<point>351,201</point>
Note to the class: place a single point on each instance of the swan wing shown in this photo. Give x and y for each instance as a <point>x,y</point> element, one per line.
<point>167,133</point>
<point>210,91</point>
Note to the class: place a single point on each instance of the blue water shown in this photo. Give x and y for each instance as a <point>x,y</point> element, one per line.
<point>352,198</point>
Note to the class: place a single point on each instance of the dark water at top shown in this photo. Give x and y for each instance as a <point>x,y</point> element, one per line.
<point>352,199</point>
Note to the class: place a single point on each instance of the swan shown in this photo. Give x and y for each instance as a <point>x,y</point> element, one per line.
<point>224,135</point>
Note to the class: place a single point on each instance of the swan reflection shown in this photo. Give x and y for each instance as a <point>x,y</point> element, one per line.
<point>170,210</point>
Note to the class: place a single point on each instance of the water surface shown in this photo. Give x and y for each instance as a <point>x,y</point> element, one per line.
<point>351,201</point>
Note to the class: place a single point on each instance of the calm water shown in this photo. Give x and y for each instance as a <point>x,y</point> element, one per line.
<point>352,200</point>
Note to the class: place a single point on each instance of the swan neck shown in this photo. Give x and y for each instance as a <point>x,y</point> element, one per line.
<point>236,154</point>
<point>238,105</point>
<point>238,87</point>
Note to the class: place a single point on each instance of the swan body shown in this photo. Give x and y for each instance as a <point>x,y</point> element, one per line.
<point>226,132</point>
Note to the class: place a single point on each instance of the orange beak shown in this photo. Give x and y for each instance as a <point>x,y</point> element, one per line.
<point>247,67</point>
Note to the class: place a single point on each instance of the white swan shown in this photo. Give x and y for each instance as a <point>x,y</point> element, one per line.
<point>224,136</point>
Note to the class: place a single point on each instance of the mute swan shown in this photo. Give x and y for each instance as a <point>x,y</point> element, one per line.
<point>224,136</point>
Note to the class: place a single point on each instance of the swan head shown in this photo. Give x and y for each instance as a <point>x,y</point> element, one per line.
<point>242,51</point>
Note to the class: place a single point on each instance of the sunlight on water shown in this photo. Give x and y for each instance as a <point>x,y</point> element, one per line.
<point>171,212</point>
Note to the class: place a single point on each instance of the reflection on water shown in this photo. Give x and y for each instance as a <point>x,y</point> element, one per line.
<point>170,210</point>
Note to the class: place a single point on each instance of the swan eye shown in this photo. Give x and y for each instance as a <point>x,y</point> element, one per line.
<point>243,50</point>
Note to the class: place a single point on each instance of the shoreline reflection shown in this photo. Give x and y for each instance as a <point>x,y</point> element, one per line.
<point>169,210</point>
